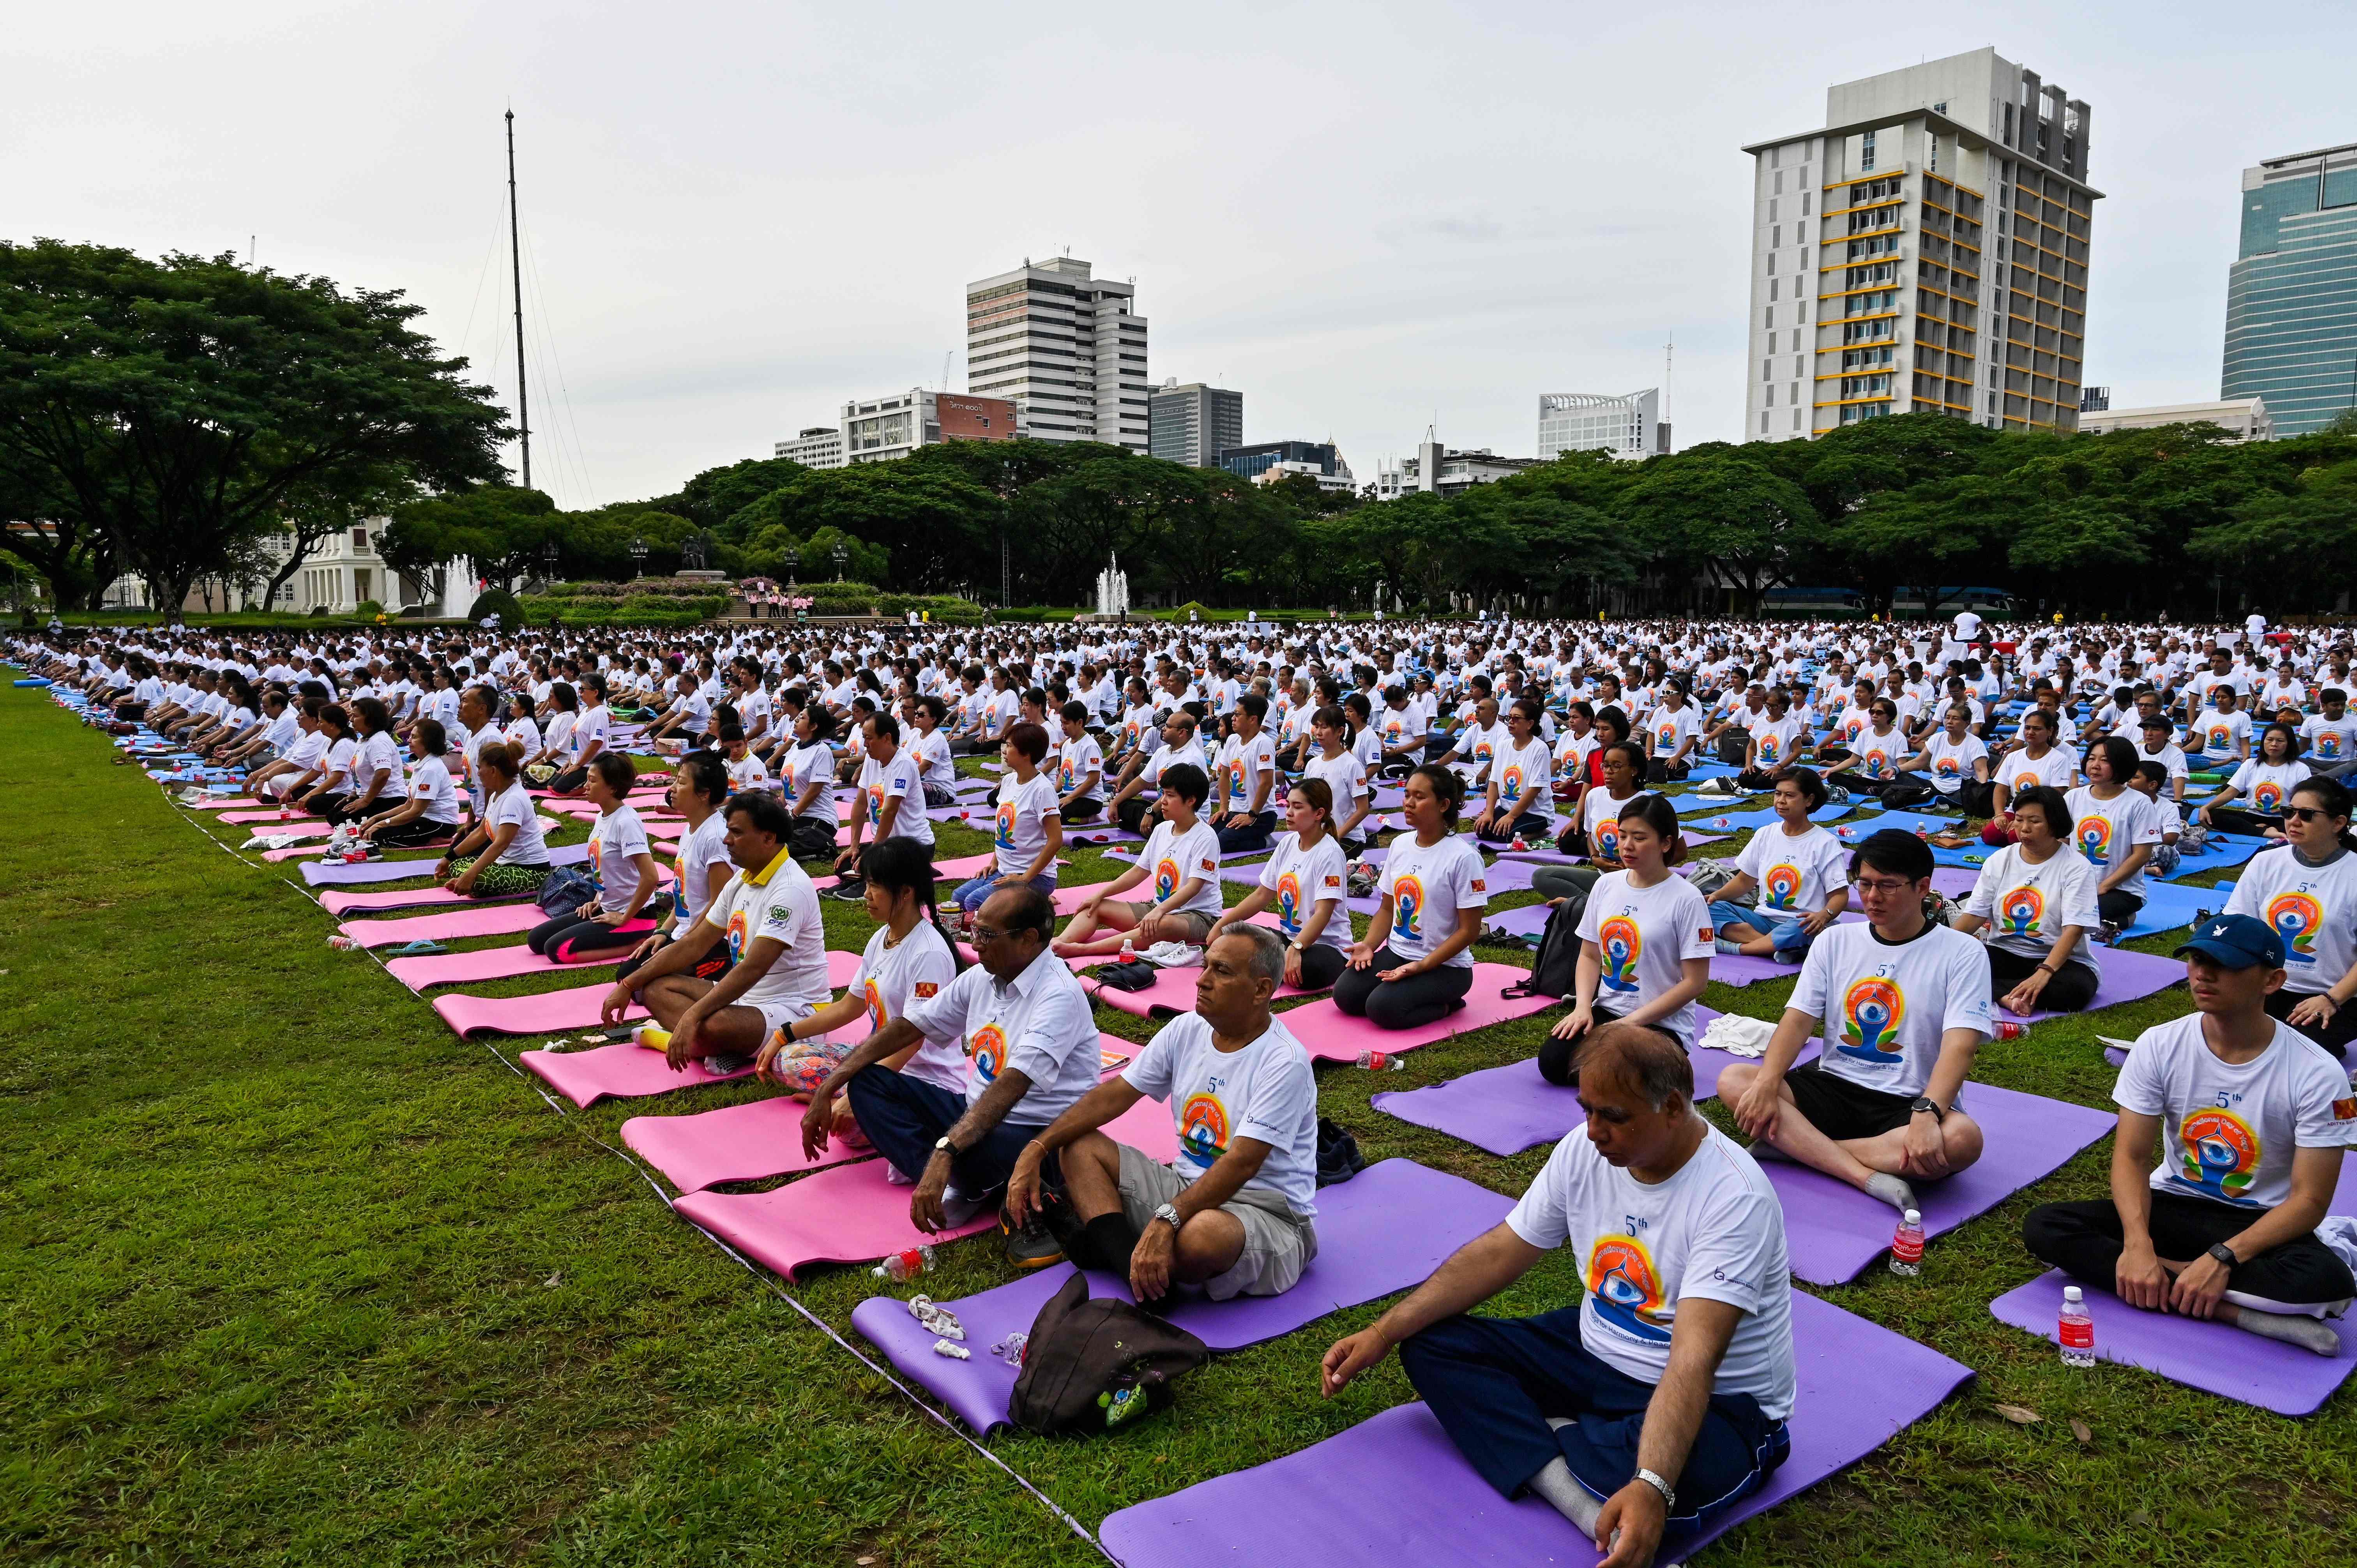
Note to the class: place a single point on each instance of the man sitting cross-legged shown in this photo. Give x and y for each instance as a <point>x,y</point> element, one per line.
<point>2252,1117</point>
<point>1233,1212</point>
<point>1663,1396</point>
<point>1905,1004</point>
<point>769,916</point>
<point>1031,1050</point>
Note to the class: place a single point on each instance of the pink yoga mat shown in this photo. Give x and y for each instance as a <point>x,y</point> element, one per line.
<point>504,963</point>
<point>446,925</point>
<point>289,824</point>
<point>542,1012</point>
<point>850,1214</point>
<point>623,1071</point>
<point>1334,1036</point>
<point>338,902</point>
<point>1172,992</point>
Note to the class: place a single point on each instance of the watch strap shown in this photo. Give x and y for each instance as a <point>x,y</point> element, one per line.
<point>2223,1253</point>
<point>1669,1494</point>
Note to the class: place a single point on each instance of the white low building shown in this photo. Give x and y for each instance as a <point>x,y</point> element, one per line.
<point>2243,418</point>
<point>1445,471</point>
<point>342,572</point>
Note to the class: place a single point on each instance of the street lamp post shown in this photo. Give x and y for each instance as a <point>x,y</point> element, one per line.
<point>842,556</point>
<point>548,561</point>
<point>793,564</point>
<point>639,555</point>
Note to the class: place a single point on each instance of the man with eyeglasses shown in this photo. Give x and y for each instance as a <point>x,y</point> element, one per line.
<point>1905,1003</point>
<point>1031,1052</point>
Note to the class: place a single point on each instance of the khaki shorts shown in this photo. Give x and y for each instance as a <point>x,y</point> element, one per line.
<point>1278,1244</point>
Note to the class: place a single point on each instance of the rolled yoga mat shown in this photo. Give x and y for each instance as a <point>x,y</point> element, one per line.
<point>1393,1491</point>
<point>1384,1230</point>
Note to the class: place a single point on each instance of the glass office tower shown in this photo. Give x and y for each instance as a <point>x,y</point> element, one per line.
<point>2291,297</point>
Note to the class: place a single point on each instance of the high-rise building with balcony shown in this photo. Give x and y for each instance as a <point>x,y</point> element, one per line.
<point>1194,424</point>
<point>2291,294</point>
<point>1924,250</point>
<point>1065,348</point>
<point>1627,426</point>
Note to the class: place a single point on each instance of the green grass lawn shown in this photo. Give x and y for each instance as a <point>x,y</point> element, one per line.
<point>293,1276</point>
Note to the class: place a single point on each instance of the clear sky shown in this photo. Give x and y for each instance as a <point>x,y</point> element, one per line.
<point>1366,217</point>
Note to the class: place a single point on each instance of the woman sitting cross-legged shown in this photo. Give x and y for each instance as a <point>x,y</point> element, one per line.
<point>430,814</point>
<point>1413,967</point>
<point>2037,897</point>
<point>503,855</point>
<point>1800,871</point>
<point>1304,879</point>
<point>1645,942</point>
<point>609,924</point>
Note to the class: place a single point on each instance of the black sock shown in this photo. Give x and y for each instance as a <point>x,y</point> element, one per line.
<point>1106,1243</point>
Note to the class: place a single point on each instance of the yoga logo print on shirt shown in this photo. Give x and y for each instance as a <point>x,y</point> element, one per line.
<point>2297,918</point>
<point>1622,945</point>
<point>1878,763</point>
<point>2095,835</point>
<point>2267,796</point>
<point>1005,839</point>
<point>1235,772</point>
<point>1771,750</point>
<point>1067,776</point>
<point>2018,913</point>
<point>1781,886</point>
<point>1624,1289</point>
<point>1872,1010</point>
<point>2221,1156</point>
<point>875,805</point>
<point>1166,879</point>
<point>2328,746</point>
<point>1203,1130</point>
<point>1606,834</point>
<point>1509,784</point>
<point>2221,737</point>
<point>1948,768</point>
<point>1407,907</point>
<point>1288,904</point>
<point>875,996</point>
<point>988,1049</point>
<point>737,925</point>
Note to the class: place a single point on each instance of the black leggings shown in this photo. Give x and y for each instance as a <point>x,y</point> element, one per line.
<point>1322,964</point>
<point>1977,797</point>
<point>2236,820</point>
<point>416,834</point>
<point>2085,1241</point>
<point>2117,907</point>
<point>1557,1057</point>
<point>340,810</point>
<point>2069,990</point>
<point>1419,999</point>
<point>576,939</point>
<point>2333,1037</point>
<point>1528,828</point>
<point>813,838</point>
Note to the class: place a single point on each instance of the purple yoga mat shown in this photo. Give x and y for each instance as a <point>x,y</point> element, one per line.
<point>1333,1035</point>
<point>1385,1229</point>
<point>1506,1109</point>
<point>1393,1490</point>
<point>2211,1357</point>
<point>1835,1232</point>
<point>622,1071</point>
<point>2129,976</point>
<point>849,1214</point>
<point>1526,920</point>
<point>542,1013</point>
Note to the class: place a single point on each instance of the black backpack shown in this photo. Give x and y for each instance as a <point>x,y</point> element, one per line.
<point>1135,974</point>
<point>1554,967</point>
<point>1092,1365</point>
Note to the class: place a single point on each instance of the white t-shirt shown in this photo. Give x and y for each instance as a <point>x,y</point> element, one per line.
<point>1878,756</point>
<point>1796,876</point>
<point>1264,1092</point>
<point>1040,1025</point>
<point>2228,1133</point>
<point>699,851</point>
<point>1643,937</point>
<point>1301,882</point>
<point>782,906</point>
<point>615,843</point>
<point>917,970</point>
<point>1020,833</point>
<point>1884,1006</point>
<point>749,772</point>
<point>431,783</point>
<point>593,726</point>
<point>2017,770</point>
<point>2312,907</point>
<point>879,782</point>
<point>1345,779</point>
<point>2329,740</point>
<point>2027,906</point>
<point>1776,741</point>
<point>803,765</point>
<point>2105,831</point>
<point>2267,786</point>
<point>378,760</point>
<point>2219,735</point>
<point>1075,761</point>
<point>513,806</point>
<point>1602,814</point>
<point>1241,765</point>
<point>1671,728</point>
<point>1427,887</point>
<point>1949,762</point>
<point>931,750</point>
<point>1170,857</point>
<point>1520,772</point>
<point>1714,1231</point>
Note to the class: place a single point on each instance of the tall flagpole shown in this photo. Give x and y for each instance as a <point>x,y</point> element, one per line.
<point>515,264</point>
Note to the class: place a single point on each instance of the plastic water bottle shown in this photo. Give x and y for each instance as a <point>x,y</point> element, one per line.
<point>2078,1329</point>
<point>902,1267</point>
<point>1907,1245</point>
<point>1381,1061</point>
<point>1128,951</point>
<point>2011,1029</point>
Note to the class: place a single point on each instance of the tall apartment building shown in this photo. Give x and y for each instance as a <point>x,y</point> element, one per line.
<point>1627,426</point>
<point>1194,424</point>
<point>1066,348</point>
<point>1251,462</point>
<point>2291,294</point>
<point>814,446</point>
<point>1924,250</point>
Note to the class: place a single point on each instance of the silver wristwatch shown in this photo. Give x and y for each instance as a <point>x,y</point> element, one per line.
<point>1669,1497</point>
<point>1168,1213</point>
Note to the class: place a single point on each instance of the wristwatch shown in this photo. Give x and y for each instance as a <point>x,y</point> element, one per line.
<point>2224,1255</point>
<point>1166,1212</point>
<point>941,1145</point>
<point>1669,1497</point>
<point>1925,1102</point>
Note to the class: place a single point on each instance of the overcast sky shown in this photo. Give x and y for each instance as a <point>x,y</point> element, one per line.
<point>1366,217</point>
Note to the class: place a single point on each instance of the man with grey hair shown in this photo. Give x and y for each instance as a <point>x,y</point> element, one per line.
<point>1234,1212</point>
<point>1663,1396</point>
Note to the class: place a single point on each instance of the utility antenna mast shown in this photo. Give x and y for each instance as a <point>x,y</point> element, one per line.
<point>515,273</point>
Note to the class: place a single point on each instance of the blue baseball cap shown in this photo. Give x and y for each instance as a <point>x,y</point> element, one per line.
<point>2238,942</point>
